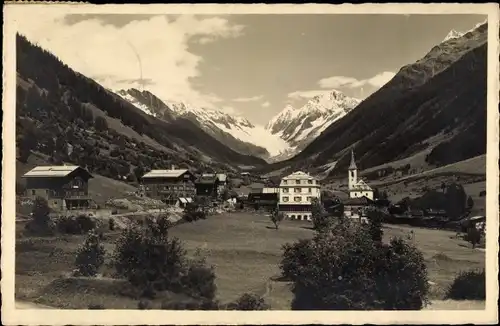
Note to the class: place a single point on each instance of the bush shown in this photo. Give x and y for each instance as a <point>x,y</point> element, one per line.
<point>90,256</point>
<point>295,256</point>
<point>344,269</point>
<point>199,280</point>
<point>41,223</point>
<point>150,259</point>
<point>470,285</point>
<point>248,302</point>
<point>76,225</point>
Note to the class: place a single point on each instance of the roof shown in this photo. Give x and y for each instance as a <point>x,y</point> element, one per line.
<point>352,166</point>
<point>204,179</point>
<point>165,173</point>
<point>222,177</point>
<point>53,171</point>
<point>357,201</point>
<point>298,175</point>
<point>185,200</point>
<point>360,185</point>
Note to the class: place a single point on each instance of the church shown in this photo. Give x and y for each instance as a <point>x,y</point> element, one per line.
<point>357,187</point>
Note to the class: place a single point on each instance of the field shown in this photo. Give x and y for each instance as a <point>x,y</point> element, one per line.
<point>244,249</point>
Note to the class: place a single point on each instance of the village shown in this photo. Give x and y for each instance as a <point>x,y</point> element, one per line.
<point>66,190</point>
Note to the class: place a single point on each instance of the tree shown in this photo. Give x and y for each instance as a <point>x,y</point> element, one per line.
<point>321,220</point>
<point>276,217</point>
<point>27,142</point>
<point>41,211</point>
<point>249,302</point>
<point>375,218</point>
<point>153,261</point>
<point>90,256</point>
<point>469,285</point>
<point>343,269</point>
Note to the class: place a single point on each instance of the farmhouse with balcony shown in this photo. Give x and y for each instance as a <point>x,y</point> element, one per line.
<point>64,187</point>
<point>355,207</point>
<point>207,185</point>
<point>169,185</point>
<point>296,192</point>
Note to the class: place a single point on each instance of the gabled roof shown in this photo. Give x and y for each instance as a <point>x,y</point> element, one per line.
<point>357,201</point>
<point>361,185</point>
<point>53,171</point>
<point>164,173</point>
<point>299,175</point>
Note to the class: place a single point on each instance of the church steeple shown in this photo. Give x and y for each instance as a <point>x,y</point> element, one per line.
<point>353,166</point>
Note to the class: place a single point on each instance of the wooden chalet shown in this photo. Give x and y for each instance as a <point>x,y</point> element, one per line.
<point>169,185</point>
<point>207,185</point>
<point>64,187</point>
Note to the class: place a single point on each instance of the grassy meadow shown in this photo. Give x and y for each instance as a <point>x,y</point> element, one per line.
<point>244,249</point>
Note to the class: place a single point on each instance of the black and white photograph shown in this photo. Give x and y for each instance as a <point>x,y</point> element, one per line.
<point>250,158</point>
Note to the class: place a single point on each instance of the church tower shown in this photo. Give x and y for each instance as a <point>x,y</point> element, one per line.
<point>353,172</point>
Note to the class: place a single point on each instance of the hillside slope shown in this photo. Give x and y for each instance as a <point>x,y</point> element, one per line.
<point>438,103</point>
<point>72,118</point>
<point>218,124</point>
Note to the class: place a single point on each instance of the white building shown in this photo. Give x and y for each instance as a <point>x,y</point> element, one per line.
<point>296,192</point>
<point>357,187</point>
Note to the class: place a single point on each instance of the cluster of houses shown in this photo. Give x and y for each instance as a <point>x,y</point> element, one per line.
<point>66,187</point>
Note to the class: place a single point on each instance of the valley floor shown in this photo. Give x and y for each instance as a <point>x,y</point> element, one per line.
<point>244,249</point>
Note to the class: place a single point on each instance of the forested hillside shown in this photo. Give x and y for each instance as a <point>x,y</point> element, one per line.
<point>72,118</point>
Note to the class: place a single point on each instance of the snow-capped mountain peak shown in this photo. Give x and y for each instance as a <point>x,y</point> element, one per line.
<point>232,130</point>
<point>300,126</point>
<point>453,34</point>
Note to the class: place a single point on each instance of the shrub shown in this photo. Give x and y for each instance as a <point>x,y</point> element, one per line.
<point>90,256</point>
<point>469,285</point>
<point>149,258</point>
<point>76,225</point>
<point>199,280</point>
<point>41,222</point>
<point>295,256</point>
<point>248,302</point>
<point>344,269</point>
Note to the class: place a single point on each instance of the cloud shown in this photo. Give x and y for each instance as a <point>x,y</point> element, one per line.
<point>378,80</point>
<point>248,99</point>
<point>306,94</point>
<point>266,104</point>
<point>154,50</point>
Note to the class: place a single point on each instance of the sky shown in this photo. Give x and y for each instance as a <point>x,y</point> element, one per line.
<point>247,65</point>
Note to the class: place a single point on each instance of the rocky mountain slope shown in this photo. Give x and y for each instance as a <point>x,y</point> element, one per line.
<point>298,127</point>
<point>437,103</point>
<point>223,127</point>
<point>70,117</point>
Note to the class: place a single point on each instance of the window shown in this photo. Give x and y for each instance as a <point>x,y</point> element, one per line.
<point>310,182</point>
<point>285,190</point>
<point>309,190</point>
<point>309,198</point>
<point>352,174</point>
<point>296,198</point>
<point>285,182</point>
<point>299,217</point>
<point>33,192</point>
<point>296,190</point>
<point>285,198</point>
<point>297,182</point>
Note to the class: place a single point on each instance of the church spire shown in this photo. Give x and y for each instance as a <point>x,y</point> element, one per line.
<point>352,166</point>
